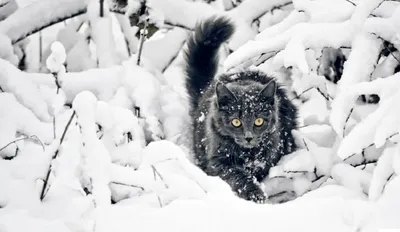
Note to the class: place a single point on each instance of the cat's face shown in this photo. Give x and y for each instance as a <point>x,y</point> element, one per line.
<point>246,113</point>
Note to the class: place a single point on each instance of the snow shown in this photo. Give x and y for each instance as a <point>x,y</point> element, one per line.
<point>57,57</point>
<point>6,50</point>
<point>356,71</point>
<point>24,89</point>
<point>29,18</point>
<point>325,10</point>
<point>102,34</point>
<point>293,18</point>
<point>125,162</point>
<point>7,8</point>
<point>169,42</point>
<point>189,13</point>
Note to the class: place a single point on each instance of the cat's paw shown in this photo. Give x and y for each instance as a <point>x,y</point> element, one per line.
<point>254,194</point>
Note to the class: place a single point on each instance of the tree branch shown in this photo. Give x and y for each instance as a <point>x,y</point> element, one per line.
<point>42,195</point>
<point>128,185</point>
<point>372,144</point>
<point>27,137</point>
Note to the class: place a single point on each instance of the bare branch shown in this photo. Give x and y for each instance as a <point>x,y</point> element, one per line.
<point>347,119</point>
<point>42,195</point>
<point>143,35</point>
<point>159,175</point>
<point>27,137</point>
<point>128,185</point>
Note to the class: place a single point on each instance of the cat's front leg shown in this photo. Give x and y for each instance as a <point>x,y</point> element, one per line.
<point>241,182</point>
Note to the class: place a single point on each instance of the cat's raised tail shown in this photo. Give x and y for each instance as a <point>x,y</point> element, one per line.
<point>201,54</point>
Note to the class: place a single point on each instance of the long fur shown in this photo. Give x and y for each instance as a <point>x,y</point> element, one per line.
<point>202,54</point>
<point>216,147</point>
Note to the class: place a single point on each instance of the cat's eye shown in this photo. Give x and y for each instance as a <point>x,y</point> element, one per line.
<point>259,122</point>
<point>236,122</point>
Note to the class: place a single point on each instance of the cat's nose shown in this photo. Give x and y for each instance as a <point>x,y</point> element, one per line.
<point>248,136</point>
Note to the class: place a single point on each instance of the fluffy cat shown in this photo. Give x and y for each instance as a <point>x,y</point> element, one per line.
<point>242,121</point>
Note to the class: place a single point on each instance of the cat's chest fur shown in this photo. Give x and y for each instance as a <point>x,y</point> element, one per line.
<point>210,144</point>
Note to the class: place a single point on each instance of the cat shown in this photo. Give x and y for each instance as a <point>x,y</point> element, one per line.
<point>242,121</point>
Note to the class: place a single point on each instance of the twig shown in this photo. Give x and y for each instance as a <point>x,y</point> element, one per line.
<point>27,137</point>
<point>128,185</point>
<point>345,123</point>
<point>305,144</point>
<point>159,175</point>
<point>1,90</point>
<point>46,180</point>
<point>102,8</point>
<point>391,53</point>
<point>264,57</point>
<point>297,171</point>
<point>173,57</point>
<point>328,97</point>
<point>143,35</point>
<point>79,12</point>
<point>365,163</point>
<point>54,127</point>
<point>57,83</point>
<point>272,9</point>
<point>159,201</point>
<point>3,4</point>
<point>372,144</point>
<point>40,47</point>
<point>387,180</point>
<point>352,3</point>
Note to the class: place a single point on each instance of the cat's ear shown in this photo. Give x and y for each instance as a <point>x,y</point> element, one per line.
<point>224,95</point>
<point>268,93</point>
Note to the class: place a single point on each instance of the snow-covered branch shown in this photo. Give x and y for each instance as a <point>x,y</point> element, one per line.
<point>30,19</point>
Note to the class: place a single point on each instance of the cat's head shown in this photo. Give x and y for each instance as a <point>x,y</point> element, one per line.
<point>246,111</point>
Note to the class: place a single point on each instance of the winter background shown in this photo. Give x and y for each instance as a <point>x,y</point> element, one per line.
<point>94,117</point>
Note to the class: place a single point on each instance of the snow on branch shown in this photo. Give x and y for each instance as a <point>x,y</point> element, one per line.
<point>25,90</point>
<point>296,39</point>
<point>102,82</point>
<point>386,28</point>
<point>382,173</point>
<point>95,166</point>
<point>360,65</point>
<point>252,9</point>
<point>30,19</point>
<point>102,33</point>
<point>7,8</point>
<point>377,127</point>
<point>189,12</point>
<point>245,14</point>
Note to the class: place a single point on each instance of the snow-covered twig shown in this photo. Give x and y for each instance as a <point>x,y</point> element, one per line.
<point>129,185</point>
<point>30,19</point>
<point>46,180</point>
<point>143,35</point>
<point>24,138</point>
<point>370,145</point>
<point>327,97</point>
<point>345,123</point>
<point>156,173</point>
<point>7,8</point>
<point>101,11</point>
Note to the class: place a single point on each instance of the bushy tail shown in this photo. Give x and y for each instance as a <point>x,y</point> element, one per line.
<point>202,54</point>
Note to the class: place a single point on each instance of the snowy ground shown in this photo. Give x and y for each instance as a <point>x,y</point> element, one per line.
<point>83,119</point>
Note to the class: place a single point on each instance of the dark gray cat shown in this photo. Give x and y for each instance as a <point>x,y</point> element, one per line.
<point>242,121</point>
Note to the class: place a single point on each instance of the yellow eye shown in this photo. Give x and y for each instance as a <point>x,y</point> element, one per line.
<point>236,122</point>
<point>259,122</point>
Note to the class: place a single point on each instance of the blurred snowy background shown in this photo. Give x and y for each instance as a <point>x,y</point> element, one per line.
<point>94,122</point>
